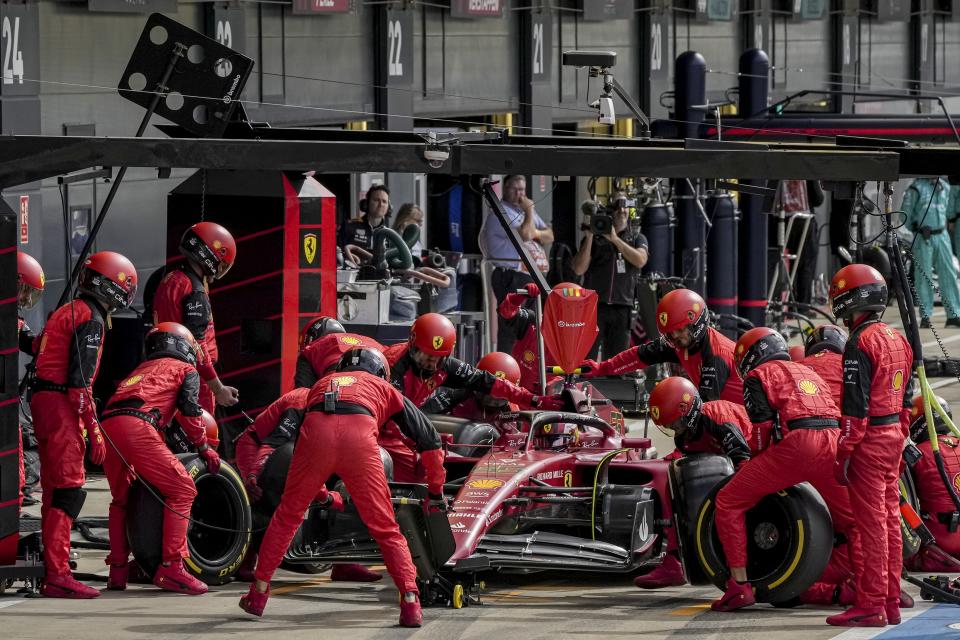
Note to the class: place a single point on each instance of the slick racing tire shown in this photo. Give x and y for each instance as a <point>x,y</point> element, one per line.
<point>692,478</point>
<point>789,541</point>
<point>221,501</point>
<point>474,439</point>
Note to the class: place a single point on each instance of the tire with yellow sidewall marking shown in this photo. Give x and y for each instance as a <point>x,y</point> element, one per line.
<point>789,541</point>
<point>215,554</point>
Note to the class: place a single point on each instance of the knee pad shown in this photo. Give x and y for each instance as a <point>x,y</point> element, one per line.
<point>69,500</point>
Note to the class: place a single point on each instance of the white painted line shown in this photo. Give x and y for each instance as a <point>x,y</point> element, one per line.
<point>944,383</point>
<point>933,343</point>
<point>10,603</point>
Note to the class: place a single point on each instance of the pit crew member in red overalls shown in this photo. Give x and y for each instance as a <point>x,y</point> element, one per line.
<point>30,283</point>
<point>823,352</point>
<point>877,365</point>
<point>277,425</point>
<point>937,508</point>
<point>345,411</point>
<point>717,426</point>
<point>788,398</point>
<point>686,338</point>
<point>322,342</point>
<point>422,364</point>
<point>183,296</point>
<point>64,415</point>
<point>463,403</point>
<point>143,406</point>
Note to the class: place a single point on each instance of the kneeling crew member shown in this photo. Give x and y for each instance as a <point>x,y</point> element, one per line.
<point>686,338</point>
<point>936,506</point>
<point>64,415</point>
<point>523,324</point>
<point>717,426</point>
<point>322,342</point>
<point>877,365</point>
<point>346,410</point>
<point>142,406</point>
<point>183,296</point>
<point>463,403</point>
<point>781,397</point>
<point>277,425</point>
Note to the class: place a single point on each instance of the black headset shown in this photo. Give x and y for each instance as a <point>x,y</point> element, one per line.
<point>374,188</point>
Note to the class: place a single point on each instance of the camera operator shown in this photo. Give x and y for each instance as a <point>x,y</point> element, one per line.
<point>611,255</point>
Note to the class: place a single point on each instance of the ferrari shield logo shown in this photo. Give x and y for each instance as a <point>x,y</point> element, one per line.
<point>655,412</point>
<point>663,318</point>
<point>501,375</point>
<point>568,478</point>
<point>437,342</point>
<point>547,428</point>
<point>310,247</point>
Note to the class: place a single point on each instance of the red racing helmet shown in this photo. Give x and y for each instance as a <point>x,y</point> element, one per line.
<point>172,340</point>
<point>367,359</point>
<point>825,337</point>
<point>211,246</point>
<point>675,402</point>
<point>30,280</point>
<point>918,425</point>
<point>434,335</point>
<point>757,346</point>
<point>211,428</point>
<point>682,308</point>
<point>857,288</point>
<point>317,328</point>
<point>110,278</point>
<point>501,365</point>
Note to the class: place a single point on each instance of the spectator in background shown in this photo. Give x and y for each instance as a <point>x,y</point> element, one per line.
<point>797,196</point>
<point>376,208</point>
<point>410,214</point>
<point>926,207</point>
<point>508,275</point>
<point>610,265</point>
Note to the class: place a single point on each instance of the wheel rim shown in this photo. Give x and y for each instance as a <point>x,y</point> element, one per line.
<point>457,599</point>
<point>769,538</point>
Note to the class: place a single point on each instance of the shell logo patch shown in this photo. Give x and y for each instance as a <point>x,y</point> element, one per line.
<point>898,380</point>
<point>696,307</point>
<point>655,412</point>
<point>841,284</point>
<point>344,381</point>
<point>132,380</point>
<point>217,245</point>
<point>956,482</point>
<point>350,340</point>
<point>529,356</point>
<point>568,477</point>
<point>686,397</point>
<point>310,247</point>
<point>122,277</point>
<point>739,348</point>
<point>485,483</point>
<point>501,375</point>
<point>808,387</point>
<point>437,342</point>
<point>663,318</point>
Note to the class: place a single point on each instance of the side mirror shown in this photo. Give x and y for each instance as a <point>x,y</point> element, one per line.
<point>636,443</point>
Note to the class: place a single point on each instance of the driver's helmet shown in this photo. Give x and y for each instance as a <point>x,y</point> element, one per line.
<point>556,436</point>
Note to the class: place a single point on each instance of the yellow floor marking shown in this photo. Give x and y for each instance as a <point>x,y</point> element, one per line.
<point>292,588</point>
<point>691,610</point>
